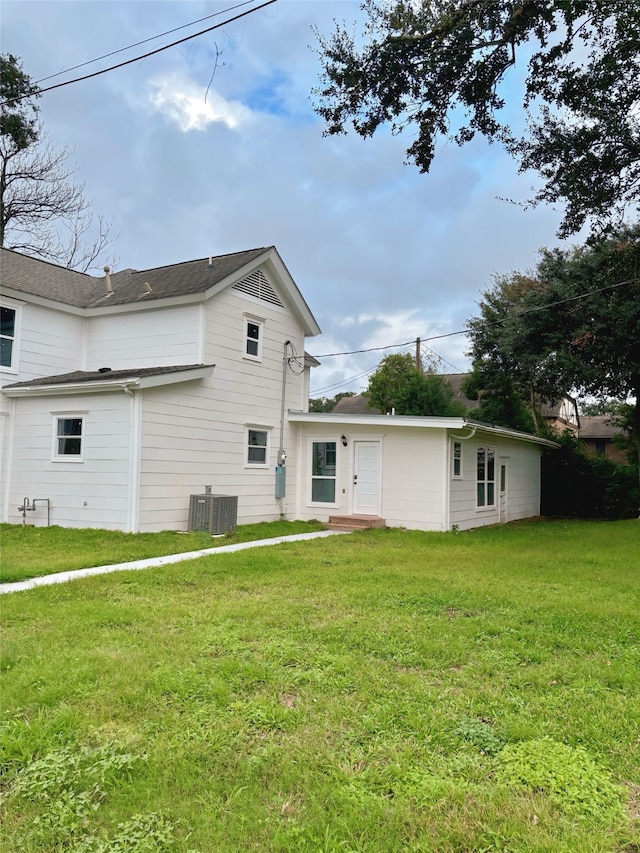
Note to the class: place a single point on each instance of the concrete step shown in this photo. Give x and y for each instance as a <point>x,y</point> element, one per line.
<point>354,522</point>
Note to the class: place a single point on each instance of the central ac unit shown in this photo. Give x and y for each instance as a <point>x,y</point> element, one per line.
<point>216,514</point>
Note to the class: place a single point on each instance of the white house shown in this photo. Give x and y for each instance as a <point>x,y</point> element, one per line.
<point>124,395</point>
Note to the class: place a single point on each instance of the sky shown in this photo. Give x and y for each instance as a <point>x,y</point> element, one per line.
<point>213,146</point>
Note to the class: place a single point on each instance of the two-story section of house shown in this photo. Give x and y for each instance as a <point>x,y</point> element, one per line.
<point>124,395</point>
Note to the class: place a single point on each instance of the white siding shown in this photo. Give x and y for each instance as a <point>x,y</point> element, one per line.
<point>50,343</point>
<point>152,338</point>
<point>91,493</point>
<point>523,494</point>
<point>194,434</point>
<point>411,473</point>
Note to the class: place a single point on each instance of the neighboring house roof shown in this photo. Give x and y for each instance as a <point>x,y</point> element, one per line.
<point>186,281</point>
<point>356,405</point>
<point>455,380</point>
<point>597,426</point>
<point>83,380</point>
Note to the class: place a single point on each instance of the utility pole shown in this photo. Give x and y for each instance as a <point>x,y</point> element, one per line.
<point>418,358</point>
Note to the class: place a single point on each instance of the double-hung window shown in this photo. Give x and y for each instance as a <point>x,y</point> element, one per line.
<point>7,336</point>
<point>68,438</point>
<point>486,482</point>
<point>253,332</point>
<point>257,447</point>
<point>323,472</point>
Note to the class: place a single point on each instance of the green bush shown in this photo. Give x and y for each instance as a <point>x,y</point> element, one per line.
<point>578,485</point>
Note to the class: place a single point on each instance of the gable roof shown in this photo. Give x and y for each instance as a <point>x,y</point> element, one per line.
<point>186,281</point>
<point>49,281</point>
<point>597,426</point>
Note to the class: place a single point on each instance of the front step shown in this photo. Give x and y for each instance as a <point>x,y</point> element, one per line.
<point>354,522</point>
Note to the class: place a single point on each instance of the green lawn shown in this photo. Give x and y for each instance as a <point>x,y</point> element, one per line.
<point>385,691</point>
<point>30,552</point>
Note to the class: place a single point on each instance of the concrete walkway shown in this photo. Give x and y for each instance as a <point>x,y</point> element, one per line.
<point>63,577</point>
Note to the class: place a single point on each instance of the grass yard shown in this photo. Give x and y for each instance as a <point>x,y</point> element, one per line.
<point>30,552</point>
<point>385,691</point>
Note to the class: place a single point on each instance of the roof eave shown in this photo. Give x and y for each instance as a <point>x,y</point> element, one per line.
<point>416,421</point>
<point>126,384</point>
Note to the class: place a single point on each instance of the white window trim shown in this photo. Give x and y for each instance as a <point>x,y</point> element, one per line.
<point>13,368</point>
<point>255,321</point>
<point>267,455</point>
<point>455,476</point>
<point>335,439</point>
<point>487,507</point>
<point>57,457</point>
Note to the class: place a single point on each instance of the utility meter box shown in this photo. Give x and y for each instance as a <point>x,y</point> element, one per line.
<point>281,481</point>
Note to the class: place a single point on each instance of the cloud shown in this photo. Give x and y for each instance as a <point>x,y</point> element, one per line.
<point>185,103</point>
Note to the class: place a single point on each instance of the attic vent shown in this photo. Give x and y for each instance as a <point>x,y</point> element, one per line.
<point>257,285</point>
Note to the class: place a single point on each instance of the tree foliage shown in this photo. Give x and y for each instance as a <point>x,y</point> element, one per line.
<point>499,401</point>
<point>436,67</point>
<point>43,210</point>
<point>398,384</point>
<point>18,118</point>
<point>571,324</point>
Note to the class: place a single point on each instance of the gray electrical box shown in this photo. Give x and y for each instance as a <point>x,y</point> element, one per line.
<point>281,481</point>
<point>216,514</point>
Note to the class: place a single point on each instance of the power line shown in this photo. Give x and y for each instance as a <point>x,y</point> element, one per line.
<point>144,41</point>
<point>142,56</point>
<point>488,323</point>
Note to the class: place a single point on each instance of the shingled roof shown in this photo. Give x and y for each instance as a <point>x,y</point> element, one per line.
<point>105,374</point>
<point>48,281</point>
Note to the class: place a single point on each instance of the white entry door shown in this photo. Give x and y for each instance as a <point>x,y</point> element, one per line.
<point>366,478</point>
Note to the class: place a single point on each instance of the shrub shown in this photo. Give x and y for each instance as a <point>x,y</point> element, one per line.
<point>575,484</point>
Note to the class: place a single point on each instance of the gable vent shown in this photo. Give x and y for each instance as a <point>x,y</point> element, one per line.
<point>257,285</point>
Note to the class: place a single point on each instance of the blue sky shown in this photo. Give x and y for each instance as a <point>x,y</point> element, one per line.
<point>213,146</point>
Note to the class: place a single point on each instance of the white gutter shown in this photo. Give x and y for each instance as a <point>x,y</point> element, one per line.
<point>72,388</point>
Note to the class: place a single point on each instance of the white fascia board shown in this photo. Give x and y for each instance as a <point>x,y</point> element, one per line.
<point>98,310</point>
<point>31,299</point>
<point>376,420</point>
<point>71,388</point>
<point>416,421</point>
<point>126,384</point>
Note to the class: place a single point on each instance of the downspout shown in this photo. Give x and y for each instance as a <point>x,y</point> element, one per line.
<point>447,520</point>
<point>133,479</point>
<point>465,437</point>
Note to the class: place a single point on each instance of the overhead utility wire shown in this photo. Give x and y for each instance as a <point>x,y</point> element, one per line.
<point>144,41</point>
<point>144,55</point>
<point>489,323</point>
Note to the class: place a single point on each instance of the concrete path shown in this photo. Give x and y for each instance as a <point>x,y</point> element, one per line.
<point>63,577</point>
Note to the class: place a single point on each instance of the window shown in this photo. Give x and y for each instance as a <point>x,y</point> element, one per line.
<point>7,336</point>
<point>253,338</point>
<point>323,472</point>
<point>486,496</point>
<point>257,446</point>
<point>68,438</point>
<point>456,459</point>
